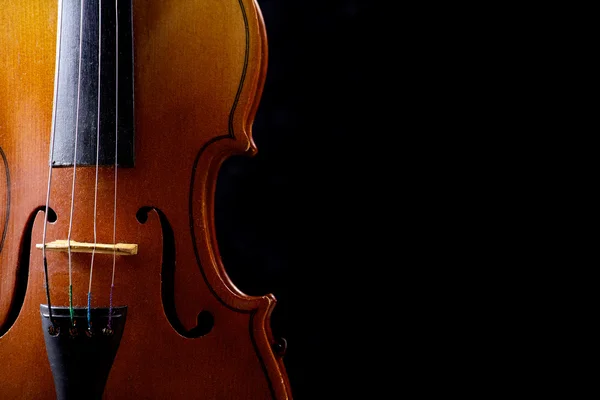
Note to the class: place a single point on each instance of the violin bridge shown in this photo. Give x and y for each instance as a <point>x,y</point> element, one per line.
<point>120,249</point>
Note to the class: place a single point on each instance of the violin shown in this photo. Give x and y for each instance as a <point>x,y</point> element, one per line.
<point>115,118</point>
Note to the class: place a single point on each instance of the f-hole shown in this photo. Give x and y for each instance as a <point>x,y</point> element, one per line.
<point>205,320</point>
<point>22,271</point>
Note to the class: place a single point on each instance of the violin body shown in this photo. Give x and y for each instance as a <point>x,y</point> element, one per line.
<point>198,71</point>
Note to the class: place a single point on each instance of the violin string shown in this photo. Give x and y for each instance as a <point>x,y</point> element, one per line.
<point>52,137</point>
<point>89,307</point>
<point>112,285</point>
<point>75,168</point>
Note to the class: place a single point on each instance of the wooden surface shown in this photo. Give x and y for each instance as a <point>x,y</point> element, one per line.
<point>199,71</point>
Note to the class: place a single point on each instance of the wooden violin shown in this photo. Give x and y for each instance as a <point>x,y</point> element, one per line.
<point>115,118</point>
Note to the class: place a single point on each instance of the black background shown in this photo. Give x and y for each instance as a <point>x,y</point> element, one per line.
<point>287,218</point>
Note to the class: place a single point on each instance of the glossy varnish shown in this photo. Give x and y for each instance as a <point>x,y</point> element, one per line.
<point>198,75</point>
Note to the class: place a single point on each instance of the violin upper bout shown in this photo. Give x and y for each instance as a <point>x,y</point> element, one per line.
<point>253,78</point>
<point>262,62</point>
<point>207,89</point>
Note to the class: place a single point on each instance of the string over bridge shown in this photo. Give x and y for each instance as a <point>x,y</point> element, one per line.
<point>120,249</point>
